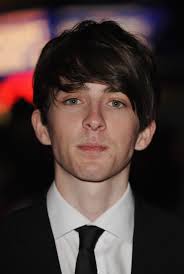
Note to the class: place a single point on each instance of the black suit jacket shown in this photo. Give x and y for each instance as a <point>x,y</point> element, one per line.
<point>27,245</point>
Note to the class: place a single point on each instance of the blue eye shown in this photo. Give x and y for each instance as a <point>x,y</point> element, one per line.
<point>116,104</point>
<point>72,101</point>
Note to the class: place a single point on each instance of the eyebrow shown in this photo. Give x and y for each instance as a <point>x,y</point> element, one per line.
<point>86,88</point>
<point>110,89</point>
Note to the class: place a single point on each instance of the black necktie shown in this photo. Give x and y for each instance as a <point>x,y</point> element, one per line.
<point>88,236</point>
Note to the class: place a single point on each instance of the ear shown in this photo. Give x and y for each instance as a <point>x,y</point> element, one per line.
<point>145,136</point>
<point>40,129</point>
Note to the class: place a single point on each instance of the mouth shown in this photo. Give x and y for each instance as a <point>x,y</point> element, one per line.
<point>92,147</point>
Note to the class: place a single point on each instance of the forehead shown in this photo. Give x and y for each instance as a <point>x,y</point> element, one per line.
<point>98,87</point>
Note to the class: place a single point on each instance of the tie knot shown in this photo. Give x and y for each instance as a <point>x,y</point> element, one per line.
<point>89,236</point>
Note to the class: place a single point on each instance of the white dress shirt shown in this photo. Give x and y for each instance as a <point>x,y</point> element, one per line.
<point>113,250</point>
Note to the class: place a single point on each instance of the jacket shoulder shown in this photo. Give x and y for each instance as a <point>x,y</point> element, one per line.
<point>26,242</point>
<point>20,219</point>
<point>158,234</point>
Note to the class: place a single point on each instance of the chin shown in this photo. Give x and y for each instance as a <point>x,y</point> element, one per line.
<point>92,176</point>
<point>92,180</point>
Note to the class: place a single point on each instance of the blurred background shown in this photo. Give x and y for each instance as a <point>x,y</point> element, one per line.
<point>26,167</point>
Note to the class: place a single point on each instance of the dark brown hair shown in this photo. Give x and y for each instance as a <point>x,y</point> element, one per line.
<point>99,52</point>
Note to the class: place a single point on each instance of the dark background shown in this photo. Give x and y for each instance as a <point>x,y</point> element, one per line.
<point>26,167</point>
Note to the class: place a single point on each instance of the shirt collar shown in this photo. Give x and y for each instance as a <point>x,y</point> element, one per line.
<point>117,220</point>
<point>63,217</point>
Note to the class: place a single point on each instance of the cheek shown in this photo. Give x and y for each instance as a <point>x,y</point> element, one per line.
<point>62,123</point>
<point>123,132</point>
<point>63,135</point>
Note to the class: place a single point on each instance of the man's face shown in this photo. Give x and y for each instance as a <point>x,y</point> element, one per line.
<point>93,133</point>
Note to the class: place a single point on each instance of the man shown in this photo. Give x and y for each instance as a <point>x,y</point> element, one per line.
<point>95,100</point>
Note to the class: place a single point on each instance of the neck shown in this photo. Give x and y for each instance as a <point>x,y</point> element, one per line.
<point>91,199</point>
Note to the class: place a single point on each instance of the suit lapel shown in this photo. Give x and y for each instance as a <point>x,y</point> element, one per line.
<point>44,254</point>
<point>140,245</point>
<point>148,255</point>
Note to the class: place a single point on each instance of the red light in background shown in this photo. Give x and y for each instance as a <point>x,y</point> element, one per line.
<point>15,87</point>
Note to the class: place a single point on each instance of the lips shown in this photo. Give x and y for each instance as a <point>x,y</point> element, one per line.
<point>92,147</point>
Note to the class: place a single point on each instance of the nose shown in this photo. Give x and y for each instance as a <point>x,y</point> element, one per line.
<point>94,119</point>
